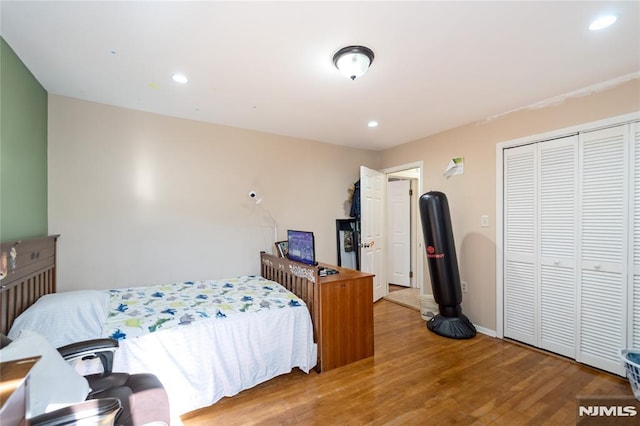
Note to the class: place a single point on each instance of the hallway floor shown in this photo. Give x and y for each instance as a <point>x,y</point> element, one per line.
<point>405,296</point>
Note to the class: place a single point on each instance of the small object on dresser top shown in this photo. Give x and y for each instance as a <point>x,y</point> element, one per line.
<point>324,271</point>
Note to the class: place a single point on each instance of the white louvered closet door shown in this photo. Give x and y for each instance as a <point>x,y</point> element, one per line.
<point>520,294</point>
<point>635,235</point>
<point>602,293</point>
<point>557,224</point>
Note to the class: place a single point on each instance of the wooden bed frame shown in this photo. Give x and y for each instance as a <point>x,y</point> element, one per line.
<point>27,271</point>
<point>300,279</point>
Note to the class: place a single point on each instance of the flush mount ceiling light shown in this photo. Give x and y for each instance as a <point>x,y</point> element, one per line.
<point>353,61</point>
<point>602,22</point>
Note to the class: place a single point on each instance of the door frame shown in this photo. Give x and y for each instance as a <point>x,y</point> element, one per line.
<point>419,237</point>
<point>500,147</point>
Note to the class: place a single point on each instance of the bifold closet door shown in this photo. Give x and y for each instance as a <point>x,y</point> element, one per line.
<point>540,244</point>
<point>635,235</point>
<point>572,244</point>
<point>558,229</point>
<point>520,270</point>
<point>604,207</point>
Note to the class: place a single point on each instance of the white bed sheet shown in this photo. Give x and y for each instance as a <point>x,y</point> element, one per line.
<point>199,363</point>
<point>208,360</point>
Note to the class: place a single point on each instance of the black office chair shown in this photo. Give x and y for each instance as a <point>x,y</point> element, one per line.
<point>144,399</point>
<point>116,398</point>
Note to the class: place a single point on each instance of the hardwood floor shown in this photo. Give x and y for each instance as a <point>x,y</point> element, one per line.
<point>417,377</point>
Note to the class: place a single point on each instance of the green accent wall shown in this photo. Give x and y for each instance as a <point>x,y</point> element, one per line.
<point>23,150</point>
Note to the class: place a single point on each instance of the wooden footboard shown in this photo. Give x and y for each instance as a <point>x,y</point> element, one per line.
<point>27,271</point>
<point>300,279</point>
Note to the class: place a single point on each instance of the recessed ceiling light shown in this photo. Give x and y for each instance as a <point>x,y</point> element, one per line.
<point>602,22</point>
<point>372,123</point>
<point>180,78</point>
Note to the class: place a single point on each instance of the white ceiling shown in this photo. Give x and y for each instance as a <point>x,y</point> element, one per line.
<point>268,65</point>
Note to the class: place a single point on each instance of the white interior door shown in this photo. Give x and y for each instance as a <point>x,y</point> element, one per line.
<point>372,250</point>
<point>540,244</point>
<point>558,230</point>
<point>398,232</point>
<point>634,283</point>
<point>521,302</point>
<point>603,231</point>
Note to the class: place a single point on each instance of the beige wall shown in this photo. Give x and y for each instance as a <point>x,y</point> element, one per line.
<point>140,198</point>
<point>474,193</point>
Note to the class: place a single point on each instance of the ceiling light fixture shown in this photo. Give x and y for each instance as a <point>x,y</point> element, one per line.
<point>373,123</point>
<point>602,22</point>
<point>353,61</point>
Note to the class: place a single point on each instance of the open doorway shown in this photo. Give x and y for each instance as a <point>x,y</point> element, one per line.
<point>374,257</point>
<point>403,237</point>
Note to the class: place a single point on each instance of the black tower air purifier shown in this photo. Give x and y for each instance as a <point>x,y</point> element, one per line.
<point>443,268</point>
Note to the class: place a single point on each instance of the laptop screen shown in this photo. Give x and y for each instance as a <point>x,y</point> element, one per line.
<point>301,247</point>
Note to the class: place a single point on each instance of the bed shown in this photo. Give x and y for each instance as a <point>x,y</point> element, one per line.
<point>203,339</point>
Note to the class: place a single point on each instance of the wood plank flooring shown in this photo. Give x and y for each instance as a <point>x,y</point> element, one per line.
<point>417,377</point>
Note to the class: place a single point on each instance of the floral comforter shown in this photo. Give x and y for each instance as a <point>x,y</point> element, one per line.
<point>141,310</point>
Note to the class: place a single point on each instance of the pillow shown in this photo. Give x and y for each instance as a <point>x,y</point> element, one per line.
<point>67,317</point>
<point>52,382</point>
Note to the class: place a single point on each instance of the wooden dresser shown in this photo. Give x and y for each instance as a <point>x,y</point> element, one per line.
<point>345,323</point>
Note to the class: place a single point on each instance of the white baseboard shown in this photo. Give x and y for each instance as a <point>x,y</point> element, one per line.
<point>488,332</point>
